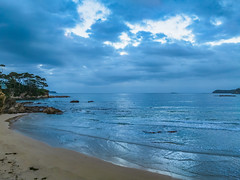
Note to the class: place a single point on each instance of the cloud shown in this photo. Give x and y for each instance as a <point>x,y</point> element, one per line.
<point>90,11</point>
<point>155,45</point>
<point>47,71</point>
<point>234,40</point>
<point>122,53</point>
<point>216,22</point>
<point>174,28</point>
<point>125,40</point>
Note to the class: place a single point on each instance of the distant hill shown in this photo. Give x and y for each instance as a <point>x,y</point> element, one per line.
<point>233,91</point>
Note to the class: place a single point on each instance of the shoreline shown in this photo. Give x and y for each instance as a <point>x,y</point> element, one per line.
<point>22,157</point>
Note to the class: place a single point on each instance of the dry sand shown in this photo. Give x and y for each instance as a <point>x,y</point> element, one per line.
<point>23,158</point>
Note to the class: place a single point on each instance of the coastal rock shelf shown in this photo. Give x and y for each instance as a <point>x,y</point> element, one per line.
<point>12,107</point>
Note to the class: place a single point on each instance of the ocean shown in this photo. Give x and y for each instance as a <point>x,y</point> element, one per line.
<point>190,136</point>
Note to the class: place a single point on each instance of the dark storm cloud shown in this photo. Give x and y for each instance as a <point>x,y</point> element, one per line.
<point>33,33</point>
<point>32,39</point>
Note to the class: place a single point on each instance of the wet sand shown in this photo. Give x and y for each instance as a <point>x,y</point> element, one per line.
<point>23,158</point>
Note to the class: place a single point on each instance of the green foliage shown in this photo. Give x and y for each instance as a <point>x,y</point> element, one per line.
<point>23,84</point>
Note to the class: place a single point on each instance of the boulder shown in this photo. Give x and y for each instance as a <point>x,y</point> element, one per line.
<point>51,110</point>
<point>19,108</point>
<point>74,101</point>
<point>12,110</point>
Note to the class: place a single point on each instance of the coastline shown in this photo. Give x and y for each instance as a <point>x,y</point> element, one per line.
<point>22,157</point>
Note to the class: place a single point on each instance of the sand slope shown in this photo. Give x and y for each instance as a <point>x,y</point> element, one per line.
<point>23,158</point>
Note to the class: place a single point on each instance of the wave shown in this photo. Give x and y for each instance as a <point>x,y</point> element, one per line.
<point>183,150</point>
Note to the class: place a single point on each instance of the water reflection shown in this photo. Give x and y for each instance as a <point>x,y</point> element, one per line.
<point>194,136</point>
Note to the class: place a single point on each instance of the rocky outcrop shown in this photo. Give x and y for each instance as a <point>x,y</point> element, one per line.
<point>27,97</point>
<point>42,109</point>
<point>2,101</point>
<point>17,108</point>
<point>35,109</point>
<point>9,106</point>
<point>12,107</point>
<point>51,110</point>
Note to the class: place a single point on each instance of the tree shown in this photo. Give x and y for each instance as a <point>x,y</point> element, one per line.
<point>24,83</point>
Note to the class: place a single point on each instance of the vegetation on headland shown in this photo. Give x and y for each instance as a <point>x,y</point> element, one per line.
<point>23,85</point>
<point>233,91</point>
<point>16,86</point>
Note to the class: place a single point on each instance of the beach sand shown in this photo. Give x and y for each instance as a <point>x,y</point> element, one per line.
<point>23,158</point>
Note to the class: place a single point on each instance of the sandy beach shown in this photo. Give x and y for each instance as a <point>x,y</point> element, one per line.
<point>23,158</point>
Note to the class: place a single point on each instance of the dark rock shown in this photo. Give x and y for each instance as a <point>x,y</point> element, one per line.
<point>74,101</point>
<point>157,132</point>
<point>34,109</point>
<point>90,101</point>
<point>172,131</point>
<point>12,107</point>
<point>44,109</point>
<point>33,169</point>
<point>10,153</point>
<point>51,110</point>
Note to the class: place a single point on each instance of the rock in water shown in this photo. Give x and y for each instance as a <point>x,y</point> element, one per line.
<point>51,110</point>
<point>74,101</point>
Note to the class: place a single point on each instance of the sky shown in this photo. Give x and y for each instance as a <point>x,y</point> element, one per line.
<point>124,46</point>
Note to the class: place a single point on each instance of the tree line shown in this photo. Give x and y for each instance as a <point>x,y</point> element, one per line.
<point>22,84</point>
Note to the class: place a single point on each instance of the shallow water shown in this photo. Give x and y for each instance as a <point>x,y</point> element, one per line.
<point>192,136</point>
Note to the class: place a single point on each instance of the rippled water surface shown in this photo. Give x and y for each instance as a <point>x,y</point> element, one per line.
<point>192,136</point>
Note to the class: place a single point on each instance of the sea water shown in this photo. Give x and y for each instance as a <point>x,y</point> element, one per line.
<point>191,136</point>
